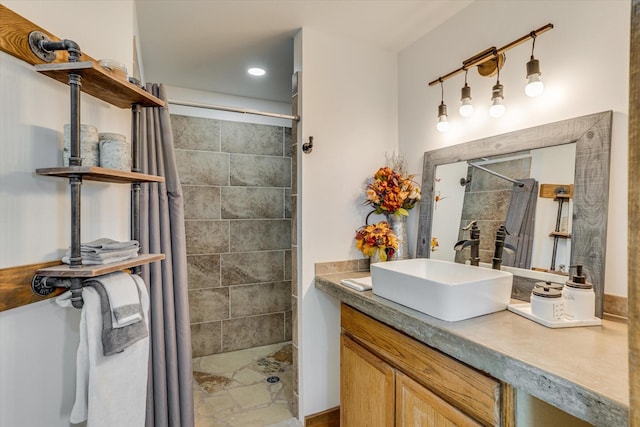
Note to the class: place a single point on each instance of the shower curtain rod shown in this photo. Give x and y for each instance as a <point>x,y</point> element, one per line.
<point>233,109</point>
<point>499,175</point>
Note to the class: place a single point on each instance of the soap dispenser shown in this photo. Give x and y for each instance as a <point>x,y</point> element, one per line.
<point>579,298</point>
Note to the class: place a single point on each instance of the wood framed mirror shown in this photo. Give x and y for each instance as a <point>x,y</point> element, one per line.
<point>592,136</point>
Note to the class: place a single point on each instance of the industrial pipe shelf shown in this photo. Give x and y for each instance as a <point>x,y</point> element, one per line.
<point>95,173</point>
<point>87,271</point>
<point>101,83</point>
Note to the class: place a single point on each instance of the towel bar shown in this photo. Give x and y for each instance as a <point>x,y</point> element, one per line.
<point>44,285</point>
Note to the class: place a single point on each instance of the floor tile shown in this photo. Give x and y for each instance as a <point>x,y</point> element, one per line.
<point>246,388</point>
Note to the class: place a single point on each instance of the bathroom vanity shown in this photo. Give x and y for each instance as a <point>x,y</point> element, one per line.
<point>414,365</point>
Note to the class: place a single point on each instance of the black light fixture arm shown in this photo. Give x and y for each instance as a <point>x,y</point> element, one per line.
<point>491,53</point>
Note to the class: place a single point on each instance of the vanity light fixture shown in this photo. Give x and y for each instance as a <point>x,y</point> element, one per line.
<point>534,85</point>
<point>497,97</point>
<point>443,124</point>
<point>466,107</point>
<point>256,71</point>
<point>489,62</point>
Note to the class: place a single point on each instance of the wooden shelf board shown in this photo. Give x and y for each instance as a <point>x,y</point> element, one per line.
<point>64,270</point>
<point>15,285</point>
<point>14,38</point>
<point>101,83</point>
<point>546,270</point>
<point>549,191</point>
<point>94,173</point>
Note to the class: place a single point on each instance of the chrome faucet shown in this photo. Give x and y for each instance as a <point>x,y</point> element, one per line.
<point>501,234</point>
<point>473,242</point>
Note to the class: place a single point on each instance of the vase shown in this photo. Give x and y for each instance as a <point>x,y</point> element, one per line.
<point>398,224</point>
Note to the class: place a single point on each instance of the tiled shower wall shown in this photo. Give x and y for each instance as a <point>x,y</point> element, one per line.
<point>236,179</point>
<point>486,200</point>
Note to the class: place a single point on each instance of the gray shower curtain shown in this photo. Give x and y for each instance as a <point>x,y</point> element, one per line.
<point>520,223</point>
<point>169,392</point>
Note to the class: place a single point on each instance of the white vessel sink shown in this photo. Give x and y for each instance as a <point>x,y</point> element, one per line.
<point>442,289</point>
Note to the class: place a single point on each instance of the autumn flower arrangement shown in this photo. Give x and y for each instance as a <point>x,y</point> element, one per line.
<point>391,192</point>
<point>377,239</point>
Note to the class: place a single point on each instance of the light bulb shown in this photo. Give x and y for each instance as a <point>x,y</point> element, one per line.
<point>466,108</point>
<point>534,86</point>
<point>443,124</point>
<point>497,107</point>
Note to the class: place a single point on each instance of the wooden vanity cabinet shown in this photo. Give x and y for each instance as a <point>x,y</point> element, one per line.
<point>390,379</point>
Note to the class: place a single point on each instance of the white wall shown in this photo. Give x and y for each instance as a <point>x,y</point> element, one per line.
<point>585,68</point>
<point>348,95</point>
<point>443,224</point>
<point>38,342</point>
<point>549,166</point>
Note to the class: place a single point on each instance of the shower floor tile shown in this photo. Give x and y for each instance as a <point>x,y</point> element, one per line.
<point>232,389</point>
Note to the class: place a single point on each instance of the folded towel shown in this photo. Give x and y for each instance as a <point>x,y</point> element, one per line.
<point>359,284</point>
<point>105,251</point>
<point>104,244</point>
<point>104,256</point>
<point>110,390</point>
<point>94,261</point>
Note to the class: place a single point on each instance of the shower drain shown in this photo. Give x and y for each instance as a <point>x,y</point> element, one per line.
<point>273,379</point>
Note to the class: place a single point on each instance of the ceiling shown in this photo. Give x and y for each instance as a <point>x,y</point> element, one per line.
<point>209,44</point>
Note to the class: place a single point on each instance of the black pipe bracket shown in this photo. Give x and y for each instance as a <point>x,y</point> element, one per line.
<point>45,285</point>
<point>45,49</point>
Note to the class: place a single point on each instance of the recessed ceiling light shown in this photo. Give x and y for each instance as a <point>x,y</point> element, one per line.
<point>256,71</point>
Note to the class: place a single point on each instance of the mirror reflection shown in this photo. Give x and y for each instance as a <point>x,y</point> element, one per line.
<point>530,192</point>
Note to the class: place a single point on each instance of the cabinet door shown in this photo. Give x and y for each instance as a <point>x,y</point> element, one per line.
<point>366,388</point>
<point>418,407</point>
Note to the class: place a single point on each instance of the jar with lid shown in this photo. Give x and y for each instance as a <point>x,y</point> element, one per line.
<point>579,297</point>
<point>547,303</point>
<point>89,148</point>
<point>115,152</point>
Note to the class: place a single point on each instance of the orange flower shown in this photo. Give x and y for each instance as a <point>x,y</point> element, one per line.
<point>392,193</point>
<point>377,238</point>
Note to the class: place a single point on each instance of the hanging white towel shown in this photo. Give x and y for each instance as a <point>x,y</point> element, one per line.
<point>110,390</point>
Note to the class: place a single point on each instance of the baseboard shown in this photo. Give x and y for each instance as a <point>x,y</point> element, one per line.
<point>616,305</point>
<point>328,418</point>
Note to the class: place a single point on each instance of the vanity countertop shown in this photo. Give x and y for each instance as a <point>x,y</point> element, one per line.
<point>582,371</point>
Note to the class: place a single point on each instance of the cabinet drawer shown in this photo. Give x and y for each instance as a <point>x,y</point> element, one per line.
<point>473,392</point>
<point>417,406</point>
